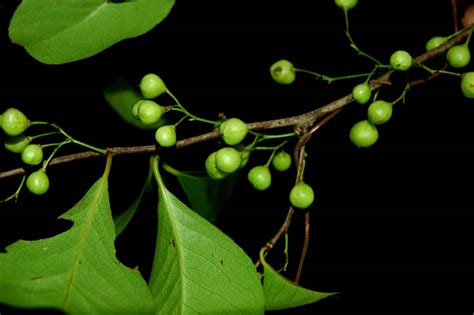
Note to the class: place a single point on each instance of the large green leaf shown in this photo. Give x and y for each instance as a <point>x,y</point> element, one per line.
<point>206,196</point>
<point>197,268</point>
<point>60,31</point>
<point>121,96</point>
<point>281,293</point>
<point>77,270</point>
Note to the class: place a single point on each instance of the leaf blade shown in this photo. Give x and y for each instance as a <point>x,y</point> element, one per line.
<point>77,270</point>
<point>197,268</point>
<point>60,31</point>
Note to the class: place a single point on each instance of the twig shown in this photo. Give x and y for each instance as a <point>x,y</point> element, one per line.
<point>304,251</point>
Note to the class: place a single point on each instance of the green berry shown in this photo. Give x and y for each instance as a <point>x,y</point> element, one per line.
<point>301,195</point>
<point>346,4</point>
<point>17,144</point>
<point>401,60</point>
<point>14,122</point>
<point>467,84</point>
<point>166,136</point>
<point>233,131</point>
<point>32,154</point>
<point>260,177</point>
<point>228,159</point>
<point>245,157</point>
<point>281,161</point>
<point>152,86</point>
<point>363,134</point>
<point>283,72</point>
<point>38,182</point>
<point>148,112</point>
<point>435,42</point>
<point>211,168</point>
<point>361,93</point>
<point>458,56</point>
<point>379,112</point>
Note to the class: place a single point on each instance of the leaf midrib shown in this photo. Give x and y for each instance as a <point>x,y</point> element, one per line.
<point>82,240</point>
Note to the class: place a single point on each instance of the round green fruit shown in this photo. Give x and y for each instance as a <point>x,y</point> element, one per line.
<point>211,167</point>
<point>346,4</point>
<point>281,161</point>
<point>14,122</point>
<point>260,177</point>
<point>228,159</point>
<point>148,112</point>
<point>283,72</point>
<point>379,112</point>
<point>152,86</point>
<point>166,136</point>
<point>435,42</point>
<point>361,93</point>
<point>363,134</point>
<point>233,131</point>
<point>17,144</point>
<point>401,60</point>
<point>38,182</point>
<point>458,56</point>
<point>32,154</point>
<point>467,84</point>
<point>301,195</point>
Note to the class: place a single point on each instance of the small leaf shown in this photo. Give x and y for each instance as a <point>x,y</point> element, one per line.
<point>281,293</point>
<point>75,271</point>
<point>123,219</point>
<point>121,96</point>
<point>206,196</point>
<point>61,31</point>
<point>197,268</point>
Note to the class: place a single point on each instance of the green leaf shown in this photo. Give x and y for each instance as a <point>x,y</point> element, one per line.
<point>206,196</point>
<point>62,31</point>
<point>121,96</point>
<point>123,219</point>
<point>197,268</point>
<point>281,293</point>
<point>77,270</point>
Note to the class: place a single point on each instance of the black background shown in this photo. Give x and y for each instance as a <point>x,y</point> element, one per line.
<point>392,226</point>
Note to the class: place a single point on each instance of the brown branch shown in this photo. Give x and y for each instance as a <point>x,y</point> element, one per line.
<point>304,251</point>
<point>306,118</point>
<point>454,9</point>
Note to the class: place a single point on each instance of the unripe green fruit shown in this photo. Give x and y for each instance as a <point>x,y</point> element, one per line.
<point>281,161</point>
<point>361,93</point>
<point>401,60</point>
<point>346,4</point>
<point>245,158</point>
<point>211,168</point>
<point>301,196</point>
<point>435,42</point>
<point>233,131</point>
<point>228,159</point>
<point>32,154</point>
<point>17,144</point>
<point>260,177</point>
<point>363,134</point>
<point>38,182</point>
<point>152,86</point>
<point>458,56</point>
<point>467,84</point>
<point>379,112</point>
<point>148,112</point>
<point>283,72</point>
<point>166,136</point>
<point>14,122</point>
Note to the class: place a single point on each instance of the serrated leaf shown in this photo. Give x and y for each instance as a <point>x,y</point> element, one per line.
<point>123,219</point>
<point>121,96</point>
<point>281,293</point>
<point>75,271</point>
<point>61,31</point>
<point>197,268</point>
<point>206,196</point>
